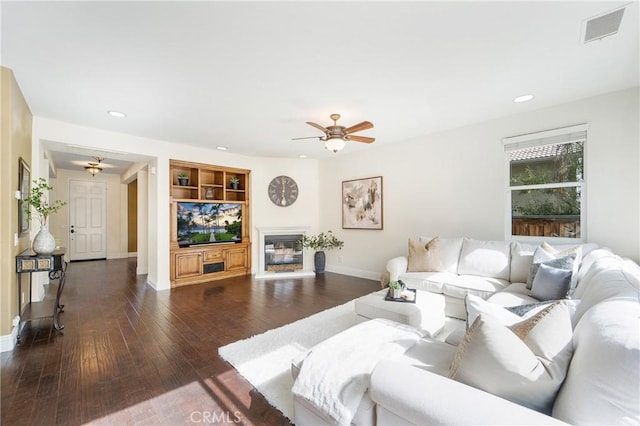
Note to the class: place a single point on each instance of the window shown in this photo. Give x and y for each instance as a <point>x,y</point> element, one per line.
<point>546,184</point>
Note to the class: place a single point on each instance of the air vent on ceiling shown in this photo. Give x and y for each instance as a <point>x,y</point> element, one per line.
<point>602,26</point>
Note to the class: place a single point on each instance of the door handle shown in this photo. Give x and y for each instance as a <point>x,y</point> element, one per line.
<point>72,231</point>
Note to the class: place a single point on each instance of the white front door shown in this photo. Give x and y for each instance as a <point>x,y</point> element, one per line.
<point>87,220</point>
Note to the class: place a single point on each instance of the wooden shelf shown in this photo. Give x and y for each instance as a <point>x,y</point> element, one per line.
<point>209,184</point>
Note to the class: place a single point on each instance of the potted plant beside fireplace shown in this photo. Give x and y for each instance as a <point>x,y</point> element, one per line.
<point>321,242</point>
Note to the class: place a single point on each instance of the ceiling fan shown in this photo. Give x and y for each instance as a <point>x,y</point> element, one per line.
<point>335,136</point>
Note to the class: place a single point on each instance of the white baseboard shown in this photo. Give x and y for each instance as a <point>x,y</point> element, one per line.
<point>9,341</point>
<point>132,254</point>
<point>142,270</point>
<point>360,273</point>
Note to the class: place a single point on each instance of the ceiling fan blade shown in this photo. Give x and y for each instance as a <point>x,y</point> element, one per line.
<point>359,127</point>
<point>308,137</point>
<point>317,126</point>
<point>360,139</point>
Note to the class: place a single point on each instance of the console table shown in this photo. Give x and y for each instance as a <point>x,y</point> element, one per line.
<point>30,262</point>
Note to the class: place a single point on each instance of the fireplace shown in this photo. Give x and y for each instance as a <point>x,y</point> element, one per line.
<point>281,254</point>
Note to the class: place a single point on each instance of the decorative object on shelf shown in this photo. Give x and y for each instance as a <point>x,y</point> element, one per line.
<point>335,137</point>
<point>234,182</point>
<point>183,179</point>
<point>362,203</point>
<point>24,177</point>
<point>283,191</point>
<point>208,193</point>
<point>320,243</point>
<point>94,168</point>
<point>43,243</point>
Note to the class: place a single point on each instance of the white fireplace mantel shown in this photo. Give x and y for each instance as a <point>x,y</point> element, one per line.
<point>282,230</point>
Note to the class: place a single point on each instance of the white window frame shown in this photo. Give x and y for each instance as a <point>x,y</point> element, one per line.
<point>549,137</point>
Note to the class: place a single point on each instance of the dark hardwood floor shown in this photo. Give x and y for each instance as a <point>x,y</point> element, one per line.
<point>130,355</point>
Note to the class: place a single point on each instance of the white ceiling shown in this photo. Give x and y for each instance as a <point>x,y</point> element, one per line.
<point>247,75</point>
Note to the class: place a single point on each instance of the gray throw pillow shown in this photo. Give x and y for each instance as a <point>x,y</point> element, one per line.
<point>540,257</point>
<point>551,283</point>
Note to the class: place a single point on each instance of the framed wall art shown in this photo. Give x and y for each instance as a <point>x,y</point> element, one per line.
<point>362,203</point>
<point>24,179</point>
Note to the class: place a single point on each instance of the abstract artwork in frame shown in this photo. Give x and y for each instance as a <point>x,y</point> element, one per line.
<point>362,203</point>
<point>24,179</point>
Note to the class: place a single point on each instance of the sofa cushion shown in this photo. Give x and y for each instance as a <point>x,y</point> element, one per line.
<point>485,258</point>
<point>484,287</point>
<point>449,252</point>
<point>424,257</point>
<point>524,363</point>
<point>521,257</point>
<point>601,386</point>
<point>428,281</point>
<point>608,278</point>
<point>588,268</point>
<point>551,283</point>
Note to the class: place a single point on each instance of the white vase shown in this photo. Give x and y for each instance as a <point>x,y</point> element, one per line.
<point>44,243</point>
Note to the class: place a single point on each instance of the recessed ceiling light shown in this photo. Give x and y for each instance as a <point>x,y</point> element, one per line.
<point>523,98</point>
<point>221,148</point>
<point>117,114</point>
<point>302,156</point>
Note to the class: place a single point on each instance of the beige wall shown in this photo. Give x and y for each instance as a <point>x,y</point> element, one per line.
<point>15,143</point>
<point>116,210</point>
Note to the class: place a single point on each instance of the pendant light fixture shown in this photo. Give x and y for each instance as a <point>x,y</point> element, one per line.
<point>94,168</point>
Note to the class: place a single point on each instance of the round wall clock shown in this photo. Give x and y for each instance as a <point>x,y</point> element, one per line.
<point>283,191</point>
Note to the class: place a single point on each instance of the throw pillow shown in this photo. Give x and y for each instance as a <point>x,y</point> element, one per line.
<point>566,259</point>
<point>476,306</point>
<point>551,283</point>
<point>523,310</point>
<point>525,363</point>
<point>424,257</point>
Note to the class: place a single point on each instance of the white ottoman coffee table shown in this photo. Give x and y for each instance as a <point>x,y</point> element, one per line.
<point>427,314</point>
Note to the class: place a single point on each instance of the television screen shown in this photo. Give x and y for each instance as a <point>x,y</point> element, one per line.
<point>209,223</point>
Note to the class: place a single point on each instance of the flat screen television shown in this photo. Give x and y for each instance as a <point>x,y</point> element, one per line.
<point>209,223</point>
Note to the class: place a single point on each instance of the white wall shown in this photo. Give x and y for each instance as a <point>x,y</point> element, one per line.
<point>453,183</point>
<point>304,212</point>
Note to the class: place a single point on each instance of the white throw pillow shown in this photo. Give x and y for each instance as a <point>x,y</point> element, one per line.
<point>525,363</point>
<point>476,306</point>
<point>521,258</point>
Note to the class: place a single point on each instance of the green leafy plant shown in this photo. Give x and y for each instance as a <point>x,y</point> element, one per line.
<point>234,181</point>
<point>37,202</point>
<point>395,285</point>
<point>182,175</point>
<point>323,241</point>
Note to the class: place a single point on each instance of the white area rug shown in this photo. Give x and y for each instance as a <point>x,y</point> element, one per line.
<point>265,360</point>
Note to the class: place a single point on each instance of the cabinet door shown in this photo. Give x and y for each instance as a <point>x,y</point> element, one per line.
<point>188,265</point>
<point>236,259</point>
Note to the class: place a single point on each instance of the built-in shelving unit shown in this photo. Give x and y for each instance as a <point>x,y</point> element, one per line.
<point>205,183</point>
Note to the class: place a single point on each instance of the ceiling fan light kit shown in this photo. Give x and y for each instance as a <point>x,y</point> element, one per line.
<point>94,168</point>
<point>335,136</point>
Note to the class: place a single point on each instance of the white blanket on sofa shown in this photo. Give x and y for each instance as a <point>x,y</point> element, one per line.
<point>335,374</point>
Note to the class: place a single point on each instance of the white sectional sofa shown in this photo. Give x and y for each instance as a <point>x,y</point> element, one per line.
<point>602,382</point>
<point>479,267</point>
